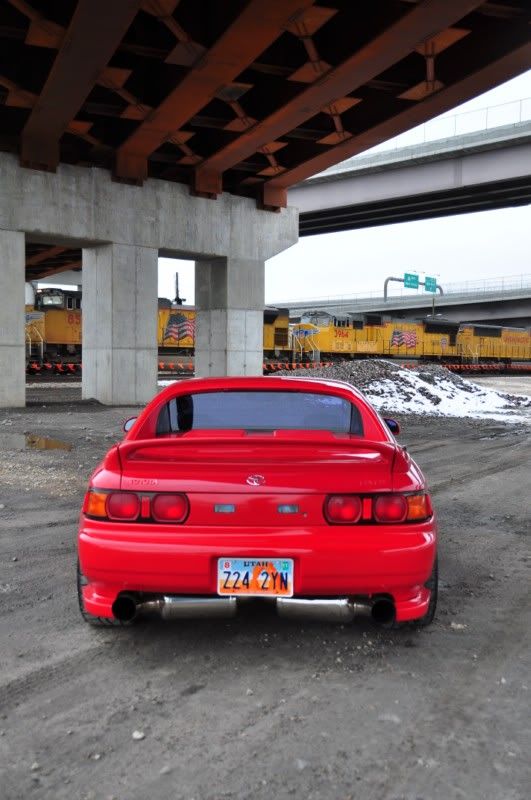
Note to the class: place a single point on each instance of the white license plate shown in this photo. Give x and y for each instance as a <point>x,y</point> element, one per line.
<point>255,577</point>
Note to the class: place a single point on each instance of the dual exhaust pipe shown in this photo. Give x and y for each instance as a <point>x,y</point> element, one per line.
<point>127,607</point>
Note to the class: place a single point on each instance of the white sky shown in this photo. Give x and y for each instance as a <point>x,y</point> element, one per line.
<point>465,247</point>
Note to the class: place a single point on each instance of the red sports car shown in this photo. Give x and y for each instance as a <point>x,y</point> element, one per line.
<point>292,490</point>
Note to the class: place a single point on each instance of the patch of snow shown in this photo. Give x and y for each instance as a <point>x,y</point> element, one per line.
<point>407,392</point>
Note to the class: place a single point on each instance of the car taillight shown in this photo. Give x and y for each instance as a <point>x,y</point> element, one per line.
<point>131,507</point>
<point>169,507</point>
<point>390,508</point>
<point>384,509</point>
<point>343,509</point>
<point>95,504</point>
<point>123,506</point>
<point>419,506</point>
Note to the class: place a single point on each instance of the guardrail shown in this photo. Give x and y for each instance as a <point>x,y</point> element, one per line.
<point>448,126</point>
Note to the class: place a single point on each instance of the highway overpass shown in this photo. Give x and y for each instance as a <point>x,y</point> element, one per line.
<point>477,171</point>
<point>505,301</point>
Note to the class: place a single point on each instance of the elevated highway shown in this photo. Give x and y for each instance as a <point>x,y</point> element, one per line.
<point>478,171</point>
<point>505,301</point>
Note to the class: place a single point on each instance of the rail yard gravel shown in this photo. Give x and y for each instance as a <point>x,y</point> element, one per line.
<point>259,706</point>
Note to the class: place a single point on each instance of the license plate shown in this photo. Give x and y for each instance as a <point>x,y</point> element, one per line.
<point>255,577</point>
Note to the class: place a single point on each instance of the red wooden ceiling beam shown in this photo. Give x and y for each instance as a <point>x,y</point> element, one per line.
<point>255,28</point>
<point>420,23</point>
<point>95,31</point>
<point>499,71</point>
<point>44,255</point>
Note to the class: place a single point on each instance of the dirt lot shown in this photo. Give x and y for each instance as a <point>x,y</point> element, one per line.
<point>260,707</point>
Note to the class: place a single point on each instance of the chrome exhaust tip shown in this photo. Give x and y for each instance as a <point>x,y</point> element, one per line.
<point>380,609</point>
<point>383,611</point>
<point>125,607</point>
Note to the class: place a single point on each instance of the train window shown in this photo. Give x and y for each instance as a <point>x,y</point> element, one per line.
<point>281,337</point>
<point>491,332</point>
<point>270,315</point>
<point>52,300</point>
<point>70,303</point>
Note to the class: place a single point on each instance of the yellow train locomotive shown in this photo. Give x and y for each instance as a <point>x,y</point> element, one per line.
<point>53,336</point>
<point>321,336</point>
<point>54,329</point>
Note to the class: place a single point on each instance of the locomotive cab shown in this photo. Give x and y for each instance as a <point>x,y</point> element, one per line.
<point>59,299</point>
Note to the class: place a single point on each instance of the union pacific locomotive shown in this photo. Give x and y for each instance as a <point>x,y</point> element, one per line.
<point>53,334</point>
<point>319,335</point>
<point>53,329</point>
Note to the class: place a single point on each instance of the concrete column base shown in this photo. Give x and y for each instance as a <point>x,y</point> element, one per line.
<point>229,342</point>
<point>120,324</point>
<point>12,320</point>
<point>230,317</point>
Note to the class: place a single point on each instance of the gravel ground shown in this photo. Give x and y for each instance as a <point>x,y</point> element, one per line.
<point>259,706</point>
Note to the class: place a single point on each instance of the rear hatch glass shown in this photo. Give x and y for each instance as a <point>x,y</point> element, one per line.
<point>259,411</point>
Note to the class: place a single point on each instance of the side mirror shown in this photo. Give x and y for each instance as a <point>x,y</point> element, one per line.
<point>393,426</point>
<point>128,424</point>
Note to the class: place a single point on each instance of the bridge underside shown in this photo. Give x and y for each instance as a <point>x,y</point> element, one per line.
<point>478,171</point>
<point>459,200</point>
<point>248,97</point>
<point>134,127</point>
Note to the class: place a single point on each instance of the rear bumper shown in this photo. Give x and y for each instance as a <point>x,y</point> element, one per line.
<point>328,561</point>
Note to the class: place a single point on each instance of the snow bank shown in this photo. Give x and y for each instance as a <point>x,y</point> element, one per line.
<point>408,392</point>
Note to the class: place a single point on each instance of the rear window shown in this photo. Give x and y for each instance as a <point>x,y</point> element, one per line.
<point>257,411</point>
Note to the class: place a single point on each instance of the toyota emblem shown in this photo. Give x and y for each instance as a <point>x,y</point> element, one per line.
<point>255,480</point>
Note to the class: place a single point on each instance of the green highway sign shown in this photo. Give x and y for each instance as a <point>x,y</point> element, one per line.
<point>411,281</point>
<point>430,284</point>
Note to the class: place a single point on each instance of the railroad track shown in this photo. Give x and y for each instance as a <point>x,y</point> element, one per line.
<point>72,371</point>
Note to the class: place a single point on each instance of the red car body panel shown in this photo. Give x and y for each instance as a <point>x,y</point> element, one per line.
<point>300,468</point>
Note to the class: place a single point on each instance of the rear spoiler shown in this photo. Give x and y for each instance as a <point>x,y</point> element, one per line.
<point>180,445</point>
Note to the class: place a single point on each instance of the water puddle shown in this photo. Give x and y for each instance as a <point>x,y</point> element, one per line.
<point>31,441</point>
<point>35,442</point>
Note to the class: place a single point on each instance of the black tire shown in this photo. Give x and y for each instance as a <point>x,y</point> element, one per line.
<point>97,622</point>
<point>433,585</point>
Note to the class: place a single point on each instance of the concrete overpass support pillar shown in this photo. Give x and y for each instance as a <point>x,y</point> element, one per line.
<point>120,323</point>
<point>12,320</point>
<point>229,295</point>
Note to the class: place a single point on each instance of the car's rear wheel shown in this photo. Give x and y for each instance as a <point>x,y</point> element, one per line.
<point>98,622</point>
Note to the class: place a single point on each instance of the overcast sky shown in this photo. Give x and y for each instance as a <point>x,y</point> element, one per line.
<point>469,247</point>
